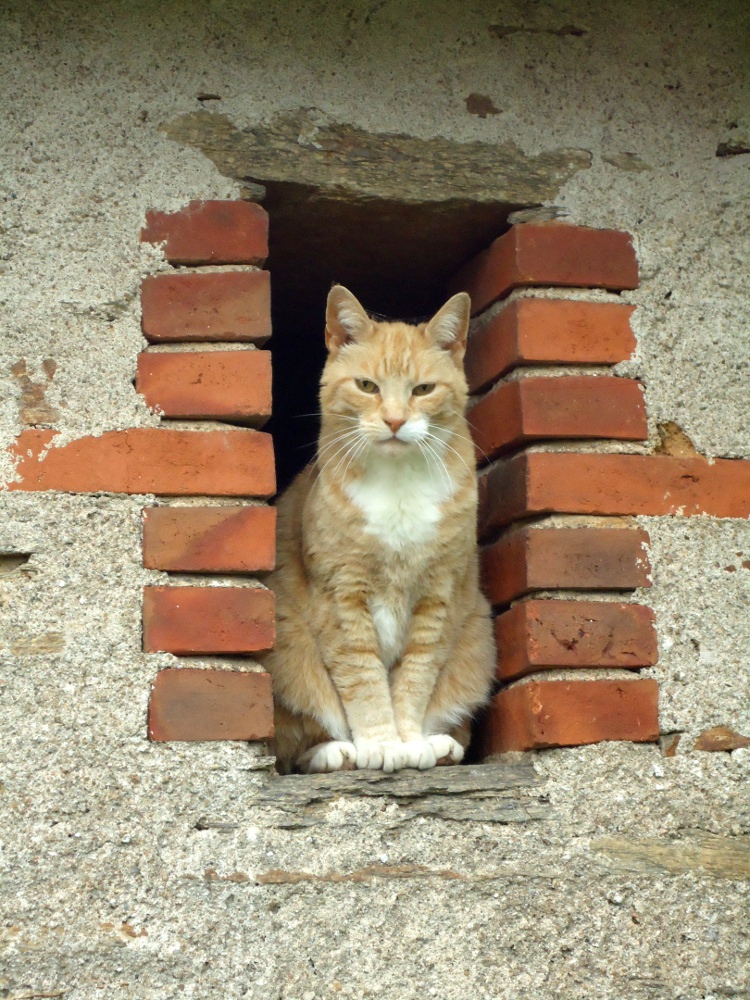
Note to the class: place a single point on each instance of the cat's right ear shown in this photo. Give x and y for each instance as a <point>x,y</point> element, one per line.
<point>346,320</point>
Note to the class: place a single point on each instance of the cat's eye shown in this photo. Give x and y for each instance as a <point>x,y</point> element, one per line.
<point>366,385</point>
<point>424,389</point>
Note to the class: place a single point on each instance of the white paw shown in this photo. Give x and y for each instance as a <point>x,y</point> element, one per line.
<point>446,749</point>
<point>419,753</point>
<point>338,755</point>
<point>379,755</point>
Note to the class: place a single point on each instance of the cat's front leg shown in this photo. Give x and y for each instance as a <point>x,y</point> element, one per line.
<point>376,753</point>
<point>361,680</point>
<point>424,752</point>
<point>335,755</point>
<point>413,681</point>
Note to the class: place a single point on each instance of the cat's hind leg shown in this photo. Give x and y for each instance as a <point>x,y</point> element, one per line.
<point>307,707</point>
<point>301,744</point>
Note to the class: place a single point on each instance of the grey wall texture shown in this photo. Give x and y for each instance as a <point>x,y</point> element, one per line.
<point>153,871</point>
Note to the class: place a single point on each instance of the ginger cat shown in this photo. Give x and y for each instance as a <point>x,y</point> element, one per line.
<point>384,643</point>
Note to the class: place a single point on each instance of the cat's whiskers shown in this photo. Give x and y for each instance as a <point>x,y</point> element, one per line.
<point>354,444</point>
<point>332,437</point>
<point>445,444</point>
<point>484,454</point>
<point>338,416</point>
<point>351,452</point>
<point>337,435</point>
<point>339,439</point>
<point>323,437</point>
<point>355,454</point>
<point>352,440</point>
<point>344,451</point>
<point>431,455</point>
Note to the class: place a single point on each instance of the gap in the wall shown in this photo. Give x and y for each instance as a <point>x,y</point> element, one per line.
<point>396,257</point>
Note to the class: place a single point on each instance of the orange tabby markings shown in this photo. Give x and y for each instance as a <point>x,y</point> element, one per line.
<point>384,644</point>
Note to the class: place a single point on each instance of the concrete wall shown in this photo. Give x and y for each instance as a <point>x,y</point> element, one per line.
<point>635,883</point>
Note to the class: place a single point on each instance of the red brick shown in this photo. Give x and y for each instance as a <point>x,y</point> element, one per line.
<point>149,460</point>
<point>721,739</point>
<point>210,232</point>
<point>548,254</point>
<point>564,559</point>
<point>570,483</point>
<point>568,407</point>
<point>538,714</point>
<point>220,385</point>
<point>548,332</point>
<point>544,635</point>
<point>189,705</point>
<point>220,306</point>
<point>209,539</point>
<point>192,620</point>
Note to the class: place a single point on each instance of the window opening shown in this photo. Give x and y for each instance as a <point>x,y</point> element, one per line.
<point>396,257</point>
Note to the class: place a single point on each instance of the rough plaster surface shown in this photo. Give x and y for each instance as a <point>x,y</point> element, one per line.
<point>109,889</point>
<point>701,596</point>
<point>650,90</point>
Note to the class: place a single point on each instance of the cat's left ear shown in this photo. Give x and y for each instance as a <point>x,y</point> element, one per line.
<point>449,326</point>
<point>346,320</point>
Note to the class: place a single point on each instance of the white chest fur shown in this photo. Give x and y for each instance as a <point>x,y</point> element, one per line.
<point>392,625</point>
<point>401,499</point>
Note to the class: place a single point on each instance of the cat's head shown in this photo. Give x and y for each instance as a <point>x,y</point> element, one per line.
<point>393,385</point>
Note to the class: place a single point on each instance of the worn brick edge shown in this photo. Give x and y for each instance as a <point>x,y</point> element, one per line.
<point>541,331</point>
<point>209,539</point>
<point>210,232</point>
<point>159,460</point>
<point>567,482</point>
<point>191,705</point>
<point>538,635</point>
<point>570,407</point>
<point>231,386</point>
<point>539,714</point>
<point>533,558</point>
<point>552,254</point>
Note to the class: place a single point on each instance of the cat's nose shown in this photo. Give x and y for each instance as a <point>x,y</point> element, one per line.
<point>395,424</point>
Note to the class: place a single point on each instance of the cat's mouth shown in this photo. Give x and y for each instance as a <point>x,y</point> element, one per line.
<point>393,443</point>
